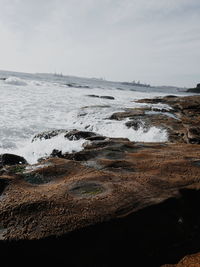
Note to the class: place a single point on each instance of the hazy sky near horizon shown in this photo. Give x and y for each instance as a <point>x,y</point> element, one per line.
<point>154,41</point>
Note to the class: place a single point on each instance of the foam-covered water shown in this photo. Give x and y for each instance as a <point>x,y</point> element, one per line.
<point>30,104</point>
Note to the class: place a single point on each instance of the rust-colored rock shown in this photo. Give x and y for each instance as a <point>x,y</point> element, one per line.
<point>116,203</point>
<point>59,196</point>
<point>188,261</point>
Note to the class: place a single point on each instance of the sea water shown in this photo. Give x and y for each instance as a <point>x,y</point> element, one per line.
<point>33,103</point>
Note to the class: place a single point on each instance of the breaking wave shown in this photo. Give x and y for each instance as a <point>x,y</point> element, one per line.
<point>32,104</point>
<point>15,81</point>
<point>32,151</point>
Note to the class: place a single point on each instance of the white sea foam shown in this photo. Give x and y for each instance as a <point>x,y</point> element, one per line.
<point>15,81</point>
<point>119,129</point>
<point>46,103</point>
<point>32,151</point>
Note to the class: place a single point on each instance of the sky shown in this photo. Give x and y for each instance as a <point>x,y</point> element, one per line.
<point>151,41</point>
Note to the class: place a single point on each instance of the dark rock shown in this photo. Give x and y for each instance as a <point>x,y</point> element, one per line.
<point>103,96</point>
<point>194,90</point>
<point>71,135</point>
<point>193,135</point>
<point>135,124</point>
<point>96,106</point>
<point>56,153</point>
<point>3,184</point>
<point>11,159</point>
<point>81,156</point>
<point>107,97</point>
<point>127,114</point>
<point>69,85</point>
<point>95,96</point>
<point>74,85</point>
<point>96,138</point>
<point>170,96</point>
<point>48,134</point>
<point>76,135</point>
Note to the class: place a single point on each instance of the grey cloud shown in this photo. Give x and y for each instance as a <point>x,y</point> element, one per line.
<point>155,41</point>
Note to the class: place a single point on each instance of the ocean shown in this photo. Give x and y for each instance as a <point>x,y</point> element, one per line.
<point>33,103</point>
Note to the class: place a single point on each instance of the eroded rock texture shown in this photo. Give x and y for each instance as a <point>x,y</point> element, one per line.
<point>116,203</point>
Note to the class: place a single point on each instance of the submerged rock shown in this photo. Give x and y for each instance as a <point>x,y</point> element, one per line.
<point>94,96</point>
<point>74,85</point>
<point>107,97</point>
<point>103,96</point>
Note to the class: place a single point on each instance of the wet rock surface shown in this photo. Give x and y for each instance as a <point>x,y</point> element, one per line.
<point>115,203</point>
<point>103,96</point>
<point>11,159</point>
<point>70,135</point>
<point>181,120</point>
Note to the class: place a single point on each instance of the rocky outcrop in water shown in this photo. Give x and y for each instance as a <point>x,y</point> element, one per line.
<point>102,96</point>
<point>70,135</point>
<point>74,85</point>
<point>194,90</point>
<point>115,203</point>
<point>181,119</point>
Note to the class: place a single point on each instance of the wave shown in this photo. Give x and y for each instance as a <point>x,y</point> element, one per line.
<point>33,151</point>
<point>15,81</point>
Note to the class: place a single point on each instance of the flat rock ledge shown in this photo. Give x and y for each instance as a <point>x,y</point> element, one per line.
<point>116,203</point>
<point>180,117</point>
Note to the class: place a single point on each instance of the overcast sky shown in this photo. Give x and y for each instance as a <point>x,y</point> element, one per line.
<point>154,41</point>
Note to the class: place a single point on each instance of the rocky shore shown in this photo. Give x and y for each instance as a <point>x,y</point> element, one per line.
<point>115,203</point>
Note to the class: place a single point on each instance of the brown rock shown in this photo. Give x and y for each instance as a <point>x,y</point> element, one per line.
<point>127,191</point>
<point>127,114</point>
<point>188,261</point>
<point>112,204</point>
<point>182,124</point>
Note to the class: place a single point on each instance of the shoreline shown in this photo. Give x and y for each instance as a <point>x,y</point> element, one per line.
<point>96,202</point>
